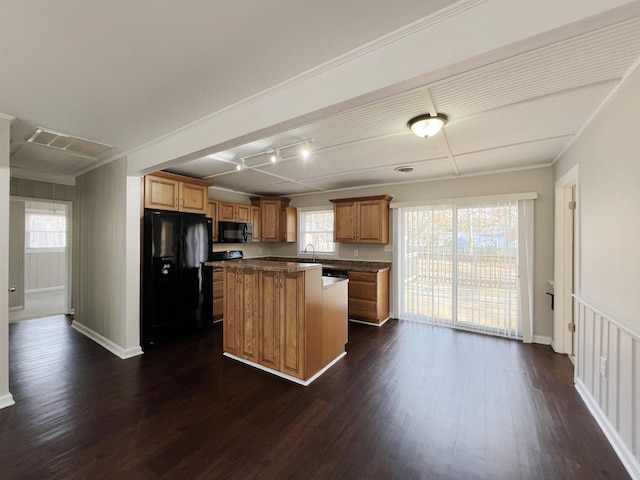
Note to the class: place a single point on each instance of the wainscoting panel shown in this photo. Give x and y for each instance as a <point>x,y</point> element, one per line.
<point>608,378</point>
<point>44,270</point>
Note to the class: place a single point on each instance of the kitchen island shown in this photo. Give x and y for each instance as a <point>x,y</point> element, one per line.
<point>283,317</point>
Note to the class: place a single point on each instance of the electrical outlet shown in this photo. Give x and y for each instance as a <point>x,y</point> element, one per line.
<point>355,253</point>
<point>259,251</point>
<point>388,248</point>
<point>603,366</point>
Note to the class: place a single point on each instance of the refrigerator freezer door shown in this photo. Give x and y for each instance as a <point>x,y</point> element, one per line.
<point>161,285</point>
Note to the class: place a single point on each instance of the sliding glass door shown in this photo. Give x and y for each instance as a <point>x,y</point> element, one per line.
<point>459,266</point>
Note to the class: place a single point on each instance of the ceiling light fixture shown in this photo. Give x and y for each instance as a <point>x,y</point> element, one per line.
<point>240,166</point>
<point>305,152</point>
<point>274,156</point>
<point>427,125</point>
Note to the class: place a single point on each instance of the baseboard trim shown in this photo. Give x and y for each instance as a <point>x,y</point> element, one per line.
<point>370,323</point>
<point>117,350</point>
<point>542,340</point>
<point>626,456</point>
<point>304,383</point>
<point>6,400</point>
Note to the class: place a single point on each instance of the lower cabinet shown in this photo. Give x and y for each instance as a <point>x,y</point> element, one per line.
<point>218,294</point>
<point>267,315</point>
<point>293,323</point>
<point>282,322</point>
<point>269,323</point>
<point>241,313</point>
<point>369,296</point>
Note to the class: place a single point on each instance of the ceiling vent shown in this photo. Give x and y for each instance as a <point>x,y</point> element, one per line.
<point>69,143</point>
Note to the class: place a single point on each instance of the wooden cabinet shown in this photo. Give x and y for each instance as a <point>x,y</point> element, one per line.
<point>289,333</point>
<point>218,294</point>
<point>282,322</point>
<point>269,323</point>
<point>344,222</point>
<point>369,296</point>
<point>361,220</point>
<point>270,227</point>
<point>241,313</point>
<point>255,223</point>
<point>292,294</point>
<point>234,212</point>
<point>212,213</point>
<point>279,221</point>
<point>167,191</point>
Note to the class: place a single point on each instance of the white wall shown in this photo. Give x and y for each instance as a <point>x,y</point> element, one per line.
<point>100,257</point>
<point>5,397</point>
<point>608,153</point>
<point>16,254</point>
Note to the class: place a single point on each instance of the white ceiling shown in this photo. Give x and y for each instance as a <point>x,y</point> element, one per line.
<point>127,73</point>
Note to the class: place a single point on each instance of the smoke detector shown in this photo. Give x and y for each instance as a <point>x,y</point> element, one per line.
<point>404,169</point>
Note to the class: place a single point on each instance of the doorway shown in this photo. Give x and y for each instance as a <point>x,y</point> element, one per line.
<point>467,265</point>
<point>39,266</point>
<point>566,266</point>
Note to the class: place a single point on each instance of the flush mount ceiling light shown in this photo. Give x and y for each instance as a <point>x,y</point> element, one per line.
<point>427,125</point>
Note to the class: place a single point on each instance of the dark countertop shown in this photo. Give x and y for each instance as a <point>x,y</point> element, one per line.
<point>350,265</point>
<point>262,264</point>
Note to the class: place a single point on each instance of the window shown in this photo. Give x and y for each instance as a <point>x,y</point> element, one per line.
<point>45,230</point>
<point>316,228</point>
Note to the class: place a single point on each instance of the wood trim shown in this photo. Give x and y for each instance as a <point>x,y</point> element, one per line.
<point>181,178</point>
<point>360,199</point>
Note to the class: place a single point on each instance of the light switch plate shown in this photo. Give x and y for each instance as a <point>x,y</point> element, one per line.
<point>388,248</point>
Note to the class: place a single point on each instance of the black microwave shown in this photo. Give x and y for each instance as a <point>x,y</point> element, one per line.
<point>234,232</point>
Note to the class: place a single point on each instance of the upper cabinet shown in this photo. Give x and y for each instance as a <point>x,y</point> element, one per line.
<point>167,191</point>
<point>234,212</point>
<point>361,220</point>
<point>212,213</point>
<point>279,221</point>
<point>255,223</point>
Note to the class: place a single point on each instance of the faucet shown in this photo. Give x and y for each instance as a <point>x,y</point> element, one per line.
<point>313,252</point>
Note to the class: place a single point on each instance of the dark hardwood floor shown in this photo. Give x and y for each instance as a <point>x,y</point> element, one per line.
<point>409,401</point>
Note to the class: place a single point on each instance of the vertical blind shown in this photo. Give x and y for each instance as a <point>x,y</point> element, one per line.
<point>460,267</point>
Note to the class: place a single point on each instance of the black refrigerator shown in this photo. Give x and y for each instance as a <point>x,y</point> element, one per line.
<point>177,289</point>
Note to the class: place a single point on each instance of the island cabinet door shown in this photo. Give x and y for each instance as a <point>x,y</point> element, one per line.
<point>293,325</point>
<point>269,322</point>
<point>248,314</point>
<point>231,308</point>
